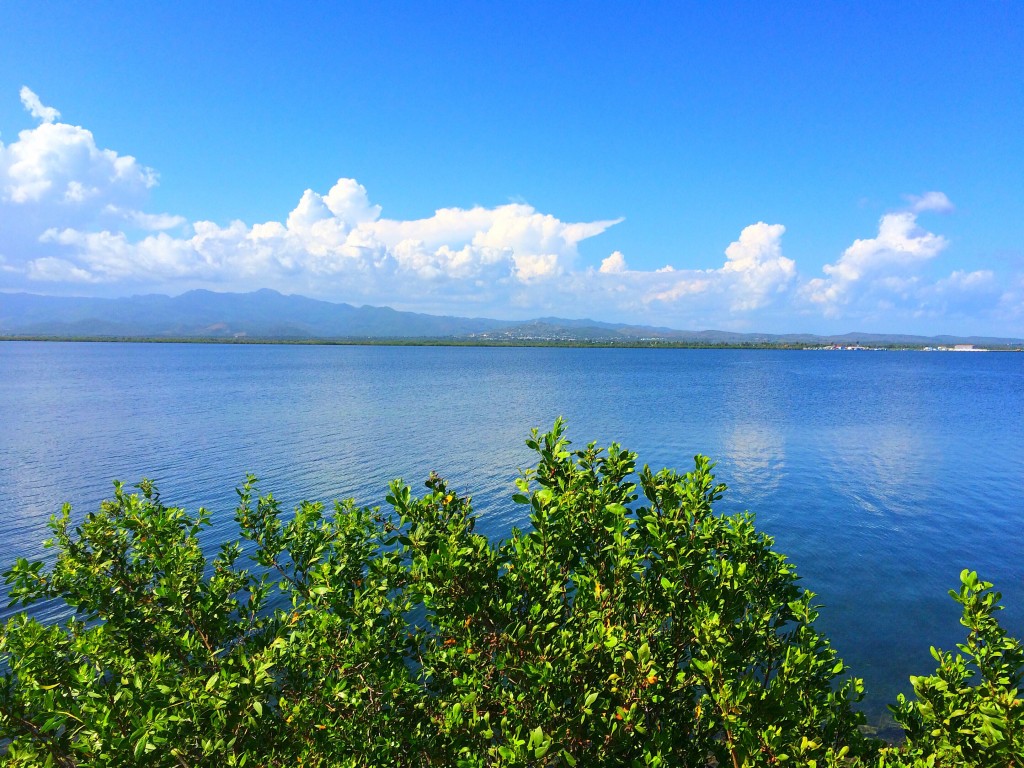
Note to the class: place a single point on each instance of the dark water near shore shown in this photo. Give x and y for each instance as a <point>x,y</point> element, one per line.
<point>882,475</point>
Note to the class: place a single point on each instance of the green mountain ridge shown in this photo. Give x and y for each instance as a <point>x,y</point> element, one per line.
<point>268,314</point>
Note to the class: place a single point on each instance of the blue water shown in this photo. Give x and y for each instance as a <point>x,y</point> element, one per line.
<point>882,475</point>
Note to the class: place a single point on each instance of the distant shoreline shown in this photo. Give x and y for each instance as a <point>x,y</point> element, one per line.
<point>537,343</point>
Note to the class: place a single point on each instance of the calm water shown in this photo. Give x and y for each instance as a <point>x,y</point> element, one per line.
<point>880,474</point>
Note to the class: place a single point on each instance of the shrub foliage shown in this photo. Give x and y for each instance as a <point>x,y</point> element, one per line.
<point>617,630</point>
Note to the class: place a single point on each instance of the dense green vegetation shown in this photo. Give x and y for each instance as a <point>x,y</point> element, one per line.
<point>625,343</point>
<point>621,629</point>
<point>361,341</point>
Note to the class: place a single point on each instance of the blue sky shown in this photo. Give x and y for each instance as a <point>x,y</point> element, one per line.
<point>779,167</point>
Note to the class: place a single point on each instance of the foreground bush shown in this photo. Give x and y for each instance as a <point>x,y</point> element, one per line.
<point>612,633</point>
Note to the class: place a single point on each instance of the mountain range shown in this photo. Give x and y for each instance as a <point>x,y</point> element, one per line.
<point>267,314</point>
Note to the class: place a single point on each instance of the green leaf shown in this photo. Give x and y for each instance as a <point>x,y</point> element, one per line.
<point>431,631</point>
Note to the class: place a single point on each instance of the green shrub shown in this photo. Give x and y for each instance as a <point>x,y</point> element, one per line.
<point>952,723</point>
<point>614,632</point>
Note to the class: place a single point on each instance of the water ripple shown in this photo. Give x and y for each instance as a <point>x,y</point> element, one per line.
<point>881,475</point>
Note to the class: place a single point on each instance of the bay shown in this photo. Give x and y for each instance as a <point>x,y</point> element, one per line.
<point>881,474</point>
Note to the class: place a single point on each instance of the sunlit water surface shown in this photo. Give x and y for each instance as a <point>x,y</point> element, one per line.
<point>882,475</point>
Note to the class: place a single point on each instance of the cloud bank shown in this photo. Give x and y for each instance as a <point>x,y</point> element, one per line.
<point>73,218</point>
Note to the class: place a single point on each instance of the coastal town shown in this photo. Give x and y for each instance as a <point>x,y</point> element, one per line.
<point>953,348</point>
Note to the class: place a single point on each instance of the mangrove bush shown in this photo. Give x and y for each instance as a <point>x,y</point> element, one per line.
<point>628,625</point>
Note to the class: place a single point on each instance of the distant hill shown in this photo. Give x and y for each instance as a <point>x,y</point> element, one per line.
<point>267,314</point>
<point>199,313</point>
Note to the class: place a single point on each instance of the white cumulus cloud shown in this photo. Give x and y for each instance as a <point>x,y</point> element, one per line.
<point>36,108</point>
<point>930,201</point>
<point>885,261</point>
<point>756,266</point>
<point>68,206</point>
<point>49,269</point>
<point>54,175</point>
<point>73,213</point>
<point>337,241</point>
<point>614,264</point>
<point>754,274</point>
<point>57,162</point>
